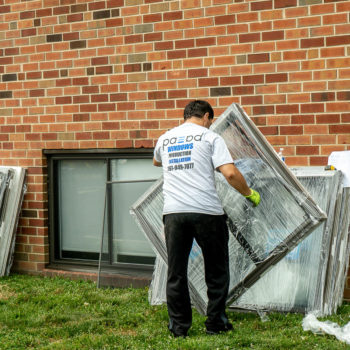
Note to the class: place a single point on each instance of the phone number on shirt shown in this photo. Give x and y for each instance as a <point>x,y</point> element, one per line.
<point>181,166</point>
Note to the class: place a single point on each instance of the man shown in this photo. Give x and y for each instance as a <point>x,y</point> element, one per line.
<point>189,155</point>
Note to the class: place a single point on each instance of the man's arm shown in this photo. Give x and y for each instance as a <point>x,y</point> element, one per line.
<point>156,163</point>
<point>235,178</point>
<point>237,181</point>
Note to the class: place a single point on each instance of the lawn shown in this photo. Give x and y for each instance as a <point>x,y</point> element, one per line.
<point>56,313</point>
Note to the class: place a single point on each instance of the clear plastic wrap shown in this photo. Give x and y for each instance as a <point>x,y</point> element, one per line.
<point>339,252</point>
<point>157,288</point>
<point>261,236</point>
<point>297,283</point>
<point>12,189</point>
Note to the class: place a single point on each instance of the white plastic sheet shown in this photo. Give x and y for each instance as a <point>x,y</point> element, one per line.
<point>311,323</point>
<point>341,160</point>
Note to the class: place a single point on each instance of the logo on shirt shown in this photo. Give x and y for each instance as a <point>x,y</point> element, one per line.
<point>181,140</point>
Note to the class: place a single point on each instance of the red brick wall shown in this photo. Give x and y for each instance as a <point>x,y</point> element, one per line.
<point>117,73</point>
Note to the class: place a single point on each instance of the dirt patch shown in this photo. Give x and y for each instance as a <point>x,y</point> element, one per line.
<point>131,332</point>
<point>6,293</point>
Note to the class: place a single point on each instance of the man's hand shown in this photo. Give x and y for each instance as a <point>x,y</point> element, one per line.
<point>254,197</point>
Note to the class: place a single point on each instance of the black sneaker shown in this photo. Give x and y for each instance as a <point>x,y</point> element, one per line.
<point>179,335</point>
<point>214,331</point>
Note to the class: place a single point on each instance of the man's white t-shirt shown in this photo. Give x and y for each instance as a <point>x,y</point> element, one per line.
<point>189,154</point>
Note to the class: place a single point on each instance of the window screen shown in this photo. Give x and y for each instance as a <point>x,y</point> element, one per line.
<point>128,177</point>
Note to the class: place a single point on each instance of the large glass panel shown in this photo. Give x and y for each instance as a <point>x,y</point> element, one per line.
<point>131,178</point>
<point>81,188</point>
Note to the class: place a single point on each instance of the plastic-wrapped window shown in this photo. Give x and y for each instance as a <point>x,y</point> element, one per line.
<point>12,189</point>
<point>261,236</point>
<point>297,283</point>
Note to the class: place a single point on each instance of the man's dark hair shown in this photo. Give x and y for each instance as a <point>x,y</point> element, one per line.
<point>197,109</point>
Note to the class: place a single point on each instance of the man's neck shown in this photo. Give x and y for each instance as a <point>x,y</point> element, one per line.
<point>195,120</point>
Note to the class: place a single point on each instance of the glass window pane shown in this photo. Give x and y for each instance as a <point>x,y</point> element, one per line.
<point>129,243</point>
<point>134,169</point>
<point>81,203</point>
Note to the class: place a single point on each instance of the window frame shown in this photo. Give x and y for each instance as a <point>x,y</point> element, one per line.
<point>53,156</point>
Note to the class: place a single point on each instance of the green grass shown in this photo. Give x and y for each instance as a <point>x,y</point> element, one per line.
<point>56,313</point>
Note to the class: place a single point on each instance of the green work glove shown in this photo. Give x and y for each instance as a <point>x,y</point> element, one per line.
<point>254,197</point>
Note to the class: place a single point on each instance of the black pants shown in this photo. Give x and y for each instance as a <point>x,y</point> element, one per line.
<point>211,234</point>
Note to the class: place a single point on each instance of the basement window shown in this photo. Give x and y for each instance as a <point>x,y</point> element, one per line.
<point>77,193</point>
